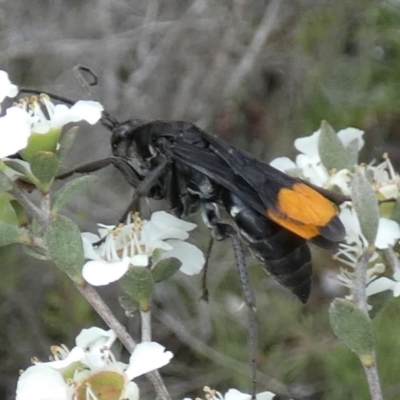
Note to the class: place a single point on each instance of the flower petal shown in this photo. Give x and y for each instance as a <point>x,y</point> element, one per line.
<point>87,110</point>
<point>388,233</point>
<point>283,164</point>
<point>99,273</point>
<point>147,357</point>
<point>7,89</point>
<point>308,145</point>
<point>380,285</point>
<point>190,256</point>
<point>95,337</point>
<point>41,382</point>
<point>234,394</point>
<point>131,391</point>
<point>162,218</point>
<point>347,135</point>
<point>14,131</point>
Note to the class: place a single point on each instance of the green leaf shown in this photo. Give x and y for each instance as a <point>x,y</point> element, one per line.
<point>353,328</point>
<point>41,142</point>
<point>23,168</point>
<point>70,189</point>
<point>331,150</point>
<point>366,206</point>
<point>352,153</point>
<point>66,142</point>
<point>128,304</point>
<point>10,234</point>
<point>7,212</point>
<point>20,213</point>
<point>64,243</point>
<point>5,182</point>
<point>138,284</point>
<point>164,269</point>
<point>44,166</point>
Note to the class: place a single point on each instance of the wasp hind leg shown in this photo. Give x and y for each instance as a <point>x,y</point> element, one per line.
<point>220,231</point>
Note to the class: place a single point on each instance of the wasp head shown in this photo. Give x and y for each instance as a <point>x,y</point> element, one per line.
<point>128,141</point>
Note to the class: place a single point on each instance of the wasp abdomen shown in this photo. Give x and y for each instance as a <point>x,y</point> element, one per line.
<point>283,254</point>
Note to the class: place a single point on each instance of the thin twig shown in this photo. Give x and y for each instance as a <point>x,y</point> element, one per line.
<point>361,300</point>
<point>32,209</point>
<point>371,372</point>
<point>360,281</point>
<point>145,317</point>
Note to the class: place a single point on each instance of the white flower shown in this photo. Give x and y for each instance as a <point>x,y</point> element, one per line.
<point>234,394</point>
<point>14,131</point>
<point>385,179</point>
<point>7,89</point>
<point>139,244</point>
<point>90,370</point>
<point>28,117</point>
<point>56,116</point>
<point>382,284</point>
<point>308,163</point>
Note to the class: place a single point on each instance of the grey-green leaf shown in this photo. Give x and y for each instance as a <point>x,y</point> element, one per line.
<point>331,149</point>
<point>138,284</point>
<point>64,243</point>
<point>21,167</point>
<point>66,142</point>
<point>128,304</point>
<point>70,189</point>
<point>9,234</point>
<point>366,206</point>
<point>164,269</point>
<point>353,327</point>
<point>44,166</point>
<point>352,153</point>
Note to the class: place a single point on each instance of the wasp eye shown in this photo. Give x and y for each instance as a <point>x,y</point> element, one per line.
<point>121,133</point>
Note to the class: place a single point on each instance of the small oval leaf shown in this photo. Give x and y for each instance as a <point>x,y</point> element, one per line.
<point>164,269</point>
<point>44,166</point>
<point>138,284</point>
<point>129,305</point>
<point>366,206</point>
<point>353,328</point>
<point>10,234</point>
<point>64,243</point>
<point>66,142</point>
<point>331,149</point>
<point>22,167</point>
<point>7,212</point>
<point>70,189</point>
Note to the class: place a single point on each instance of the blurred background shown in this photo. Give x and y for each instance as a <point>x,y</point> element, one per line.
<point>256,73</point>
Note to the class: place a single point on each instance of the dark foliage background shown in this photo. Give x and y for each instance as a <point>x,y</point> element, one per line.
<point>257,73</point>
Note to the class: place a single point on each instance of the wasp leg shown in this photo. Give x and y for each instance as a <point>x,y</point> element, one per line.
<point>220,231</point>
<point>144,187</point>
<point>129,173</point>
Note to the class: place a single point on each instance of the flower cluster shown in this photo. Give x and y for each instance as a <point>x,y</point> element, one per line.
<point>90,370</point>
<point>37,115</point>
<point>139,243</point>
<point>385,181</point>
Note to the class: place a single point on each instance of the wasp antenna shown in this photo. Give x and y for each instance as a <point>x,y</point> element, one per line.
<point>77,71</point>
<point>51,95</point>
<point>108,121</point>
